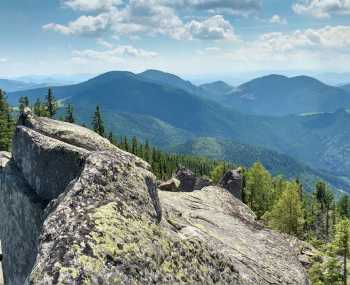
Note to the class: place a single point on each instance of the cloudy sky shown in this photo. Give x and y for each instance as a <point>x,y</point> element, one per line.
<point>188,37</point>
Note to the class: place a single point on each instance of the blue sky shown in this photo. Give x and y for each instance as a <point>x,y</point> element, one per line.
<point>187,37</point>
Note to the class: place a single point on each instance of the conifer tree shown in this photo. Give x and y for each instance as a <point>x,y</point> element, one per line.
<point>287,213</point>
<point>134,145</point>
<point>344,206</point>
<point>217,173</point>
<point>6,123</point>
<point>40,109</point>
<point>69,117</point>
<point>342,244</point>
<point>51,104</point>
<point>97,122</point>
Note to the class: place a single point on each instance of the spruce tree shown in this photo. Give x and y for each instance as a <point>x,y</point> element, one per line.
<point>69,117</point>
<point>6,123</point>
<point>97,122</point>
<point>51,104</point>
<point>342,244</point>
<point>134,145</point>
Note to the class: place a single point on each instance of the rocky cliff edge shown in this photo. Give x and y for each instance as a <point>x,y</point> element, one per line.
<point>77,210</point>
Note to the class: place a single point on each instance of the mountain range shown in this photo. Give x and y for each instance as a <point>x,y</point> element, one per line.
<point>170,112</point>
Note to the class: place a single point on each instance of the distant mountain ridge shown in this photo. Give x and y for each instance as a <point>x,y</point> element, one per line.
<point>13,85</point>
<point>277,95</point>
<point>135,105</point>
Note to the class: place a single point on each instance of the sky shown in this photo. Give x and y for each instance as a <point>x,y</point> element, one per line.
<point>193,38</point>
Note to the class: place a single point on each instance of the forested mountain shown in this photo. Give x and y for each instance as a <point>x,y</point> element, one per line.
<point>172,116</point>
<point>246,155</point>
<point>216,88</point>
<point>278,95</point>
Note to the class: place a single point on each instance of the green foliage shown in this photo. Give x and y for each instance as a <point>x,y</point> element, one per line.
<point>6,123</point>
<point>342,243</point>
<point>259,189</point>
<point>51,104</point>
<point>69,116</point>
<point>287,214</point>
<point>97,122</point>
<point>217,173</point>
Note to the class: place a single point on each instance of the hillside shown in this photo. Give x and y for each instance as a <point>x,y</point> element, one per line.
<point>247,155</point>
<point>216,88</point>
<point>321,140</point>
<point>278,95</point>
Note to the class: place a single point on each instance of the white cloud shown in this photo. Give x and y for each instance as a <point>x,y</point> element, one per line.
<point>84,25</point>
<point>92,5</point>
<point>3,59</point>
<point>276,19</point>
<point>322,8</point>
<point>213,28</point>
<point>147,17</point>
<point>113,55</point>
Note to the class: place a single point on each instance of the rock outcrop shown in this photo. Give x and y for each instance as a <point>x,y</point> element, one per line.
<point>189,181</point>
<point>95,217</point>
<point>172,185</point>
<point>232,181</point>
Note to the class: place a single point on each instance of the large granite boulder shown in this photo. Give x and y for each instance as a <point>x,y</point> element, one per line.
<point>21,212</point>
<point>233,182</point>
<point>213,215</point>
<point>104,223</point>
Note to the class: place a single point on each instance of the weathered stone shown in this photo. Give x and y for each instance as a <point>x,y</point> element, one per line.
<point>21,212</point>
<point>106,224</point>
<point>202,182</point>
<point>213,215</point>
<point>172,184</point>
<point>187,179</point>
<point>72,134</point>
<point>232,181</point>
<point>47,164</point>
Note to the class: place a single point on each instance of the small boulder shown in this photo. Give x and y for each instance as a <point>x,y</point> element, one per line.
<point>202,182</point>
<point>233,182</point>
<point>172,185</point>
<point>187,179</point>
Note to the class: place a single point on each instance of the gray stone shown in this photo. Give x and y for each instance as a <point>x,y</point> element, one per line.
<point>21,212</point>
<point>232,181</point>
<point>261,256</point>
<point>172,184</point>
<point>47,164</point>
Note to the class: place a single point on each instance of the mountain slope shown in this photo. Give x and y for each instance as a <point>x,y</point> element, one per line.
<point>247,155</point>
<point>322,141</point>
<point>277,95</point>
<point>216,88</point>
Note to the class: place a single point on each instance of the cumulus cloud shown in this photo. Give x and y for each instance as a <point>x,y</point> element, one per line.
<point>112,55</point>
<point>322,8</point>
<point>213,28</point>
<point>147,17</point>
<point>84,25</point>
<point>276,19</point>
<point>3,59</point>
<point>92,5</point>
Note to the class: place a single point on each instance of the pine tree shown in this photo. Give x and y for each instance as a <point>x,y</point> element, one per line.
<point>40,109</point>
<point>23,103</point>
<point>111,138</point>
<point>6,123</point>
<point>332,272</point>
<point>134,145</point>
<point>51,104</point>
<point>69,117</point>
<point>97,122</point>
<point>217,173</point>
<point>344,206</point>
<point>287,213</point>
<point>342,244</point>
